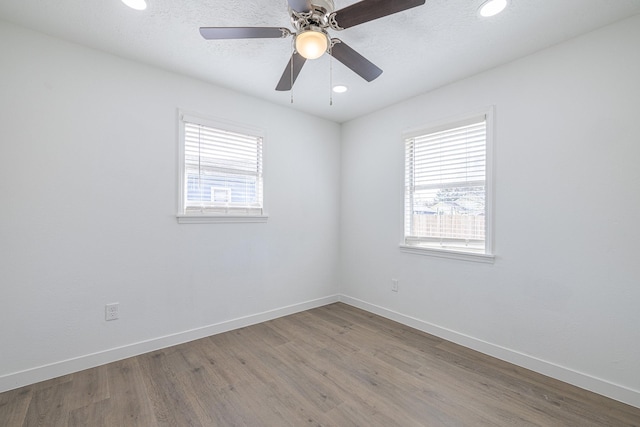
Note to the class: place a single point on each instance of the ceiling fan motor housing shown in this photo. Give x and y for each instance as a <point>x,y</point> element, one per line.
<point>318,16</point>
<point>327,5</point>
<point>311,37</point>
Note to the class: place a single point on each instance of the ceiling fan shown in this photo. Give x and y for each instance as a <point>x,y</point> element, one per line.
<point>311,20</point>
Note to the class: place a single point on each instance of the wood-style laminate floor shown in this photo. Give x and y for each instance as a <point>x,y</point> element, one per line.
<point>331,366</point>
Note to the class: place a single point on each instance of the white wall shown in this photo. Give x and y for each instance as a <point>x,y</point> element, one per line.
<point>563,296</point>
<point>88,164</point>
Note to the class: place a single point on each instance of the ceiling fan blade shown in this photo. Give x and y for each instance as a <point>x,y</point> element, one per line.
<point>300,5</point>
<point>356,62</point>
<point>221,33</point>
<point>287,79</point>
<point>368,10</point>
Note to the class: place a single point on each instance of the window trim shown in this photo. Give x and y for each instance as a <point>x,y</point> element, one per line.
<point>488,256</point>
<point>210,217</point>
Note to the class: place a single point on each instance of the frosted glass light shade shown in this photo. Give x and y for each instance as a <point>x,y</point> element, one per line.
<point>311,44</point>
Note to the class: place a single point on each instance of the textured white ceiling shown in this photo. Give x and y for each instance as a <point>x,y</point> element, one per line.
<point>419,49</point>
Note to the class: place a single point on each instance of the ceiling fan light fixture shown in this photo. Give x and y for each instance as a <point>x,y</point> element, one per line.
<point>136,4</point>
<point>340,89</point>
<point>312,44</point>
<point>492,7</point>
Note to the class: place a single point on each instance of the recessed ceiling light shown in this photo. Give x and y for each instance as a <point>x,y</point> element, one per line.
<point>340,89</point>
<point>136,4</point>
<point>492,7</point>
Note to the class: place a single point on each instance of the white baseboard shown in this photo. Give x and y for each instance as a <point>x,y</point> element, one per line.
<point>579,379</point>
<point>64,367</point>
<point>585,381</point>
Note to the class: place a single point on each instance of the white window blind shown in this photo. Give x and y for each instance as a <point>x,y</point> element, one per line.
<point>223,171</point>
<point>445,187</point>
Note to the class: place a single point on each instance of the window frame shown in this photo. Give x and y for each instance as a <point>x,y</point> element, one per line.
<point>184,217</point>
<point>488,255</point>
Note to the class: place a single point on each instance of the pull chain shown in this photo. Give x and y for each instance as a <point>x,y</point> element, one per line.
<point>330,79</point>
<point>291,66</point>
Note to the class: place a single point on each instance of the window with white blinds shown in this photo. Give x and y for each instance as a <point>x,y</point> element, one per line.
<point>446,187</point>
<point>221,170</point>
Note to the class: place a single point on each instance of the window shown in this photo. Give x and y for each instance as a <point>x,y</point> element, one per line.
<point>221,172</point>
<point>447,196</point>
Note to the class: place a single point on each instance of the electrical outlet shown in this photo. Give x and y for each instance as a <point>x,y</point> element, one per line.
<point>111,311</point>
<point>394,285</point>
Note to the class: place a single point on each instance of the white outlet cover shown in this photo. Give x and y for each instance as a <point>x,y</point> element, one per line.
<point>111,311</point>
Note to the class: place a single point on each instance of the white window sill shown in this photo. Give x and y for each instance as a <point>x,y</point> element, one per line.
<point>225,219</point>
<point>442,253</point>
